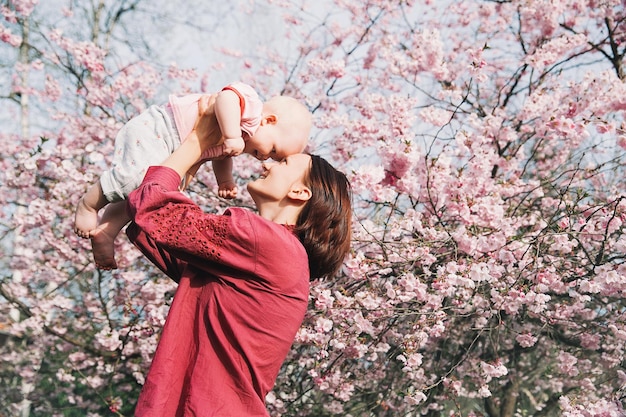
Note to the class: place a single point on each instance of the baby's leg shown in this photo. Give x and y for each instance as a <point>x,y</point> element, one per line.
<point>86,215</point>
<point>103,237</point>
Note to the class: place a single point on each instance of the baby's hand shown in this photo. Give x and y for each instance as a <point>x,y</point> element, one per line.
<point>234,146</point>
<point>227,190</point>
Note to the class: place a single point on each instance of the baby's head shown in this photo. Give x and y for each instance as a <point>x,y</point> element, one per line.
<point>284,130</point>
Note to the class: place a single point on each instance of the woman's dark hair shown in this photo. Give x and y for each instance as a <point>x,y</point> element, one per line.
<point>324,224</point>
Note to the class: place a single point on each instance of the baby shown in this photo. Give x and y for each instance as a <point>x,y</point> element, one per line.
<point>241,123</point>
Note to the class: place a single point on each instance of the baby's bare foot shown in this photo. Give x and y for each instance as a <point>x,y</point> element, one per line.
<point>85,219</point>
<point>102,246</point>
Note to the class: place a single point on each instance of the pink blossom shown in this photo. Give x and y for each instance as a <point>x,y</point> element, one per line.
<point>416,398</point>
<point>526,340</point>
<point>567,364</point>
<point>556,49</point>
<point>25,7</point>
<point>590,341</point>
<point>114,403</point>
<point>484,392</point>
<point>494,370</point>
<point>8,37</point>
<point>323,325</point>
<point>598,408</point>
<point>324,300</point>
<point>484,142</point>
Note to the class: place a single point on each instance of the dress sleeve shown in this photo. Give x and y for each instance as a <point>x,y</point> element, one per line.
<point>156,254</point>
<point>172,231</point>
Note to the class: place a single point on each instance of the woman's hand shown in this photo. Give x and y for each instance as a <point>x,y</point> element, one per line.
<point>199,139</point>
<point>207,126</point>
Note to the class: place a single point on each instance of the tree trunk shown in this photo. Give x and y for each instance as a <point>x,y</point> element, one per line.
<point>509,400</point>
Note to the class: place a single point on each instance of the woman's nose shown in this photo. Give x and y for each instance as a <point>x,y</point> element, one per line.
<point>267,164</point>
<point>261,156</point>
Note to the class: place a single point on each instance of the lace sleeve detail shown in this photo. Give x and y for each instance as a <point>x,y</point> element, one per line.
<point>191,231</point>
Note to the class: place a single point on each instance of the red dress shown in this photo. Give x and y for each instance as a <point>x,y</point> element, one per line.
<point>242,295</point>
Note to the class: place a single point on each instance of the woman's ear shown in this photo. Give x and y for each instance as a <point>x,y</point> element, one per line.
<point>300,192</point>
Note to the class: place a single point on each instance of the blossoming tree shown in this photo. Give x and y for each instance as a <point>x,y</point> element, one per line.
<point>485,144</point>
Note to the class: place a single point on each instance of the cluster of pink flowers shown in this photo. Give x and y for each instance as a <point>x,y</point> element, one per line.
<point>484,142</point>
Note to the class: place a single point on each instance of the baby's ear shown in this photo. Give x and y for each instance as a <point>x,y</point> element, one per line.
<point>270,119</point>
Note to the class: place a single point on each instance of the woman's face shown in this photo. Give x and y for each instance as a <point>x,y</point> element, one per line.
<point>280,178</point>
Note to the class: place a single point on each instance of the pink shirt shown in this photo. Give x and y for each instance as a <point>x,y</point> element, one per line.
<point>185,109</point>
<point>242,295</point>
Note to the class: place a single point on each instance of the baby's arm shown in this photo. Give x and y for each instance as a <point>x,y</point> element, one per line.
<point>228,113</point>
<point>223,170</point>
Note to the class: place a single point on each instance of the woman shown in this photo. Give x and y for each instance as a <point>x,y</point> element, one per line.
<point>243,278</point>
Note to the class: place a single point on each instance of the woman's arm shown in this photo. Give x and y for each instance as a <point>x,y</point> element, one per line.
<point>168,227</point>
<point>160,188</point>
<point>173,231</point>
<point>155,253</point>
<point>175,234</point>
<point>190,151</point>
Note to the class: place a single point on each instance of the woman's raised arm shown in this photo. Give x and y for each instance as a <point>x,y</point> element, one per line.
<point>189,152</point>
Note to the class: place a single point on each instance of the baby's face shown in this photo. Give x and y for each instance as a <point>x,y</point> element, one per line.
<point>270,141</point>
